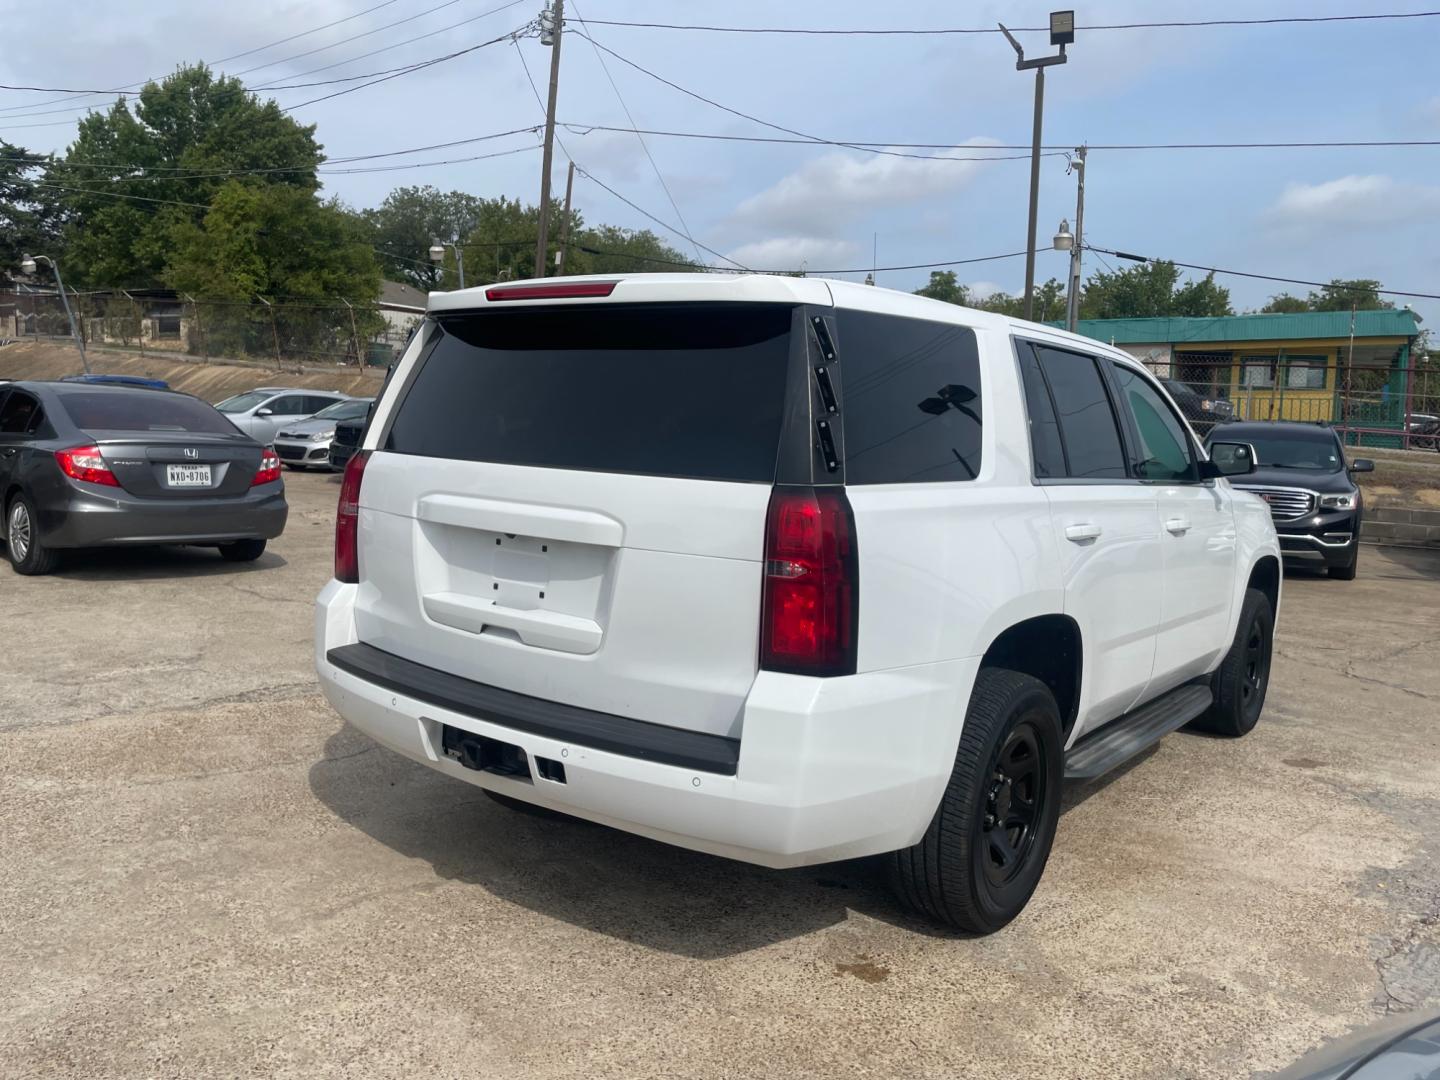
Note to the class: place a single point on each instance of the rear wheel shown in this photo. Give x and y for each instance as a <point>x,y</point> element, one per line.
<point>242,550</point>
<point>982,856</point>
<point>1243,676</point>
<point>22,539</point>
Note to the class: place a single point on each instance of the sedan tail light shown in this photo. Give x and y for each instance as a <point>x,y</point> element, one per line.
<point>811,591</point>
<point>347,520</point>
<point>85,463</point>
<point>269,470</point>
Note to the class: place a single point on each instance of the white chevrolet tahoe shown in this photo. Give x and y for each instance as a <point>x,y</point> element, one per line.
<point>790,571</point>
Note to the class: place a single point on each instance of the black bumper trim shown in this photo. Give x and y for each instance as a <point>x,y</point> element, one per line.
<point>600,731</point>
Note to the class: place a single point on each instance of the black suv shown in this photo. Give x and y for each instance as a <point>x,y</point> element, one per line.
<point>1300,471</point>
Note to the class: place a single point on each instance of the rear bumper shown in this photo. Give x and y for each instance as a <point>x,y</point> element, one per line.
<point>825,769</point>
<point>93,516</point>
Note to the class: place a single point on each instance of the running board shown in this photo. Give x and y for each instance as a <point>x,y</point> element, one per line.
<point>1123,738</point>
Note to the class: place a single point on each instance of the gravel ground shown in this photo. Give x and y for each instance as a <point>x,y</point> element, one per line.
<point>205,872</point>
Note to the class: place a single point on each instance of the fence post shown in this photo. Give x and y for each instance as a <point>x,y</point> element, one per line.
<point>354,335</point>
<point>200,324</point>
<point>274,329</point>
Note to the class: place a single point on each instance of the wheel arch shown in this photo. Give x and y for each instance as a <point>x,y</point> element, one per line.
<point>1265,576</point>
<point>1049,648</point>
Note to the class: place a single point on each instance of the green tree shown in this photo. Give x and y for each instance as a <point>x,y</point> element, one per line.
<point>1285,304</point>
<point>1049,303</point>
<point>409,220</point>
<point>1342,294</point>
<point>944,286</point>
<point>29,216</point>
<point>609,249</point>
<point>280,243</point>
<point>1149,290</point>
<point>195,134</point>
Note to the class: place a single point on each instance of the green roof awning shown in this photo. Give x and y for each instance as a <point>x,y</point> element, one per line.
<point>1399,322</point>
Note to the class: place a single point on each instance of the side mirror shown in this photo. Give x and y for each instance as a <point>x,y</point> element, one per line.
<point>1361,464</point>
<point>264,412</point>
<point>1229,459</point>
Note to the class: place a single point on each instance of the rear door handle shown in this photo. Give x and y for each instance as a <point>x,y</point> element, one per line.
<point>1177,526</point>
<point>9,451</point>
<point>1080,533</point>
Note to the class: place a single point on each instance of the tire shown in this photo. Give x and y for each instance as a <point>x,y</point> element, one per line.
<point>1241,680</point>
<point>22,543</point>
<point>957,875</point>
<point>242,550</point>
<point>1347,572</point>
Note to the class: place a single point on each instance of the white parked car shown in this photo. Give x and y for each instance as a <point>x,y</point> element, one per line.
<point>262,412</point>
<point>790,571</point>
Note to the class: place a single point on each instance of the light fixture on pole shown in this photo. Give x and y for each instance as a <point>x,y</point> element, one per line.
<point>27,264</point>
<point>1062,33</point>
<point>437,256</point>
<point>1064,238</point>
<point>1077,249</point>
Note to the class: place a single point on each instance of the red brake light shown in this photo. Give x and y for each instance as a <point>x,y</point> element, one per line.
<point>560,290</point>
<point>808,610</point>
<point>85,463</point>
<point>347,520</point>
<point>269,470</point>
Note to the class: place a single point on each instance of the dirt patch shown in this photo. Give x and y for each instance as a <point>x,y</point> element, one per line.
<point>864,970</point>
<point>211,380</point>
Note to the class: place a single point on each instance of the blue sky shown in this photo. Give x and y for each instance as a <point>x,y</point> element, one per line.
<point>1311,214</point>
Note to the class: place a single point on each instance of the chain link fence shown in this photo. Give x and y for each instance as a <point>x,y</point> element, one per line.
<point>286,332</point>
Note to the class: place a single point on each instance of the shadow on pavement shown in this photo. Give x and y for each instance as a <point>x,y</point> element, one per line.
<point>156,563</point>
<point>602,879</point>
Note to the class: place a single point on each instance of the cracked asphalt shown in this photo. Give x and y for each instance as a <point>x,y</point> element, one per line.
<point>205,872</point>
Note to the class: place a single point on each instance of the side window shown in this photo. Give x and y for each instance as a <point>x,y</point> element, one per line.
<point>1163,448</point>
<point>911,399</point>
<point>289,405</point>
<point>1087,420</point>
<point>1045,444</point>
<point>315,404</point>
<point>20,414</point>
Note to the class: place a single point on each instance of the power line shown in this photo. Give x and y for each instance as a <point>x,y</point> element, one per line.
<point>641,138</point>
<point>872,148</point>
<point>222,60</point>
<point>585,129</point>
<point>1262,277</point>
<point>1173,24</point>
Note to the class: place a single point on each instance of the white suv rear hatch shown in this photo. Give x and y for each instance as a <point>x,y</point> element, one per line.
<point>568,501</point>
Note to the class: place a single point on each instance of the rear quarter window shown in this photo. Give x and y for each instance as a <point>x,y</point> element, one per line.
<point>681,390</point>
<point>143,410</point>
<point>910,399</point>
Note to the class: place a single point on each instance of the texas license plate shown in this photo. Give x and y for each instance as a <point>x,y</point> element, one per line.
<point>187,475</point>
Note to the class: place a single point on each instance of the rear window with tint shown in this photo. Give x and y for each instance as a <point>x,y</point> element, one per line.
<point>663,390</point>
<point>143,410</point>
<point>911,404</point>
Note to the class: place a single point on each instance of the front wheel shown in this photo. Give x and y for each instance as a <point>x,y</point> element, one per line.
<point>984,851</point>
<point>1243,677</point>
<point>1346,571</point>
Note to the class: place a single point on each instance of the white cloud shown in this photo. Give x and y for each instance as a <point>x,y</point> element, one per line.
<point>1430,112</point>
<point>980,290</point>
<point>836,188</point>
<point>795,252</point>
<point>1367,201</point>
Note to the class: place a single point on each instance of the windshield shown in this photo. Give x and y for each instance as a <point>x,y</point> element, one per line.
<point>242,402</point>
<point>1316,453</point>
<point>343,410</point>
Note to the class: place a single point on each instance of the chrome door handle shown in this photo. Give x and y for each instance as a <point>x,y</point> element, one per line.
<point>1080,533</point>
<point>1177,526</point>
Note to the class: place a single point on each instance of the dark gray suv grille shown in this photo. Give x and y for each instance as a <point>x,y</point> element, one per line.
<point>1286,504</point>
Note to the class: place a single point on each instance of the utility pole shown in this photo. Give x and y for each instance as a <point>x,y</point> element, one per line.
<point>1062,33</point>
<point>552,26</point>
<point>1072,293</point>
<point>565,222</point>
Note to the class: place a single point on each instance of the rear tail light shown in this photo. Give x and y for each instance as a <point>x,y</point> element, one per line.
<point>85,463</point>
<point>269,470</point>
<point>811,595</point>
<point>347,520</point>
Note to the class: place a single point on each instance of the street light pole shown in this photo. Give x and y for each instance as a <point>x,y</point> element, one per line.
<point>437,256</point>
<point>553,26</point>
<point>1072,293</point>
<point>1062,33</point>
<point>27,264</point>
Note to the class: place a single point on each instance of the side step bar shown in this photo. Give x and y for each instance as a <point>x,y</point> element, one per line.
<point>1123,738</point>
